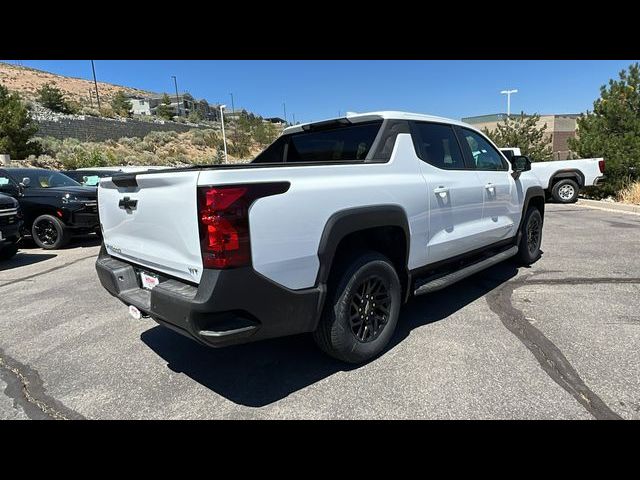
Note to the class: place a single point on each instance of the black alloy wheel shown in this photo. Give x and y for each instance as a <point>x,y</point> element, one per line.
<point>369,309</point>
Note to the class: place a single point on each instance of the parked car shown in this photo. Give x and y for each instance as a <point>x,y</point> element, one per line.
<point>10,223</point>
<point>562,180</point>
<point>329,230</point>
<point>90,177</point>
<point>55,207</point>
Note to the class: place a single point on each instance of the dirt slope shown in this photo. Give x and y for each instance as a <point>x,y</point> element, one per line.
<point>27,81</point>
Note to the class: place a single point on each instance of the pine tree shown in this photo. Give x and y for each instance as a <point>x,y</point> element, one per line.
<point>52,98</point>
<point>521,132</point>
<point>612,130</point>
<point>165,110</point>
<point>16,127</point>
<point>121,104</point>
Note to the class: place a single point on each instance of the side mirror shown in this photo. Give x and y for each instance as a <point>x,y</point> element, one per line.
<point>520,163</point>
<point>25,182</point>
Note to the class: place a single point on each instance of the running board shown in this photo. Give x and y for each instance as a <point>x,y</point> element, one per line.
<point>453,277</point>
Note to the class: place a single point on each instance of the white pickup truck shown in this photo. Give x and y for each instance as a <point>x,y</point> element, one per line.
<point>562,180</point>
<point>329,230</point>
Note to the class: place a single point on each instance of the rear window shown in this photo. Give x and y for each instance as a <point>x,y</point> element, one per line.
<point>344,143</point>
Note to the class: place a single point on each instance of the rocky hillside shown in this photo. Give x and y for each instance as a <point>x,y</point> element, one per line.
<point>157,148</point>
<point>27,81</point>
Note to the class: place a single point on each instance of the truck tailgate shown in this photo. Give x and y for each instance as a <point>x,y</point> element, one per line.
<point>154,224</point>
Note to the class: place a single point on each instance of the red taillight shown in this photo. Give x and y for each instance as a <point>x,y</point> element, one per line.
<point>224,222</point>
<point>601,165</point>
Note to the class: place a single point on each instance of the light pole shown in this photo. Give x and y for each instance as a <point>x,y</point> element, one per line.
<point>233,110</point>
<point>224,138</point>
<point>175,83</point>
<point>508,94</point>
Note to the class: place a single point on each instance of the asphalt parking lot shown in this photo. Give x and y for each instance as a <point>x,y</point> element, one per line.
<point>559,340</point>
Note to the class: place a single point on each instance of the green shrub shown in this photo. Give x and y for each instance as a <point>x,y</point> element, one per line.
<point>53,98</point>
<point>121,104</point>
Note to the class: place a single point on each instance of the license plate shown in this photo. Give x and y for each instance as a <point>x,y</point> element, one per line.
<point>148,281</point>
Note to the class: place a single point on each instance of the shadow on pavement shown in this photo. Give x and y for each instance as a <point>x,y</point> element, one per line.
<point>257,374</point>
<point>23,259</point>
<point>80,241</point>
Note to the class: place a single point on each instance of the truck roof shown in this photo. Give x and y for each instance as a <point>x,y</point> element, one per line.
<point>386,114</point>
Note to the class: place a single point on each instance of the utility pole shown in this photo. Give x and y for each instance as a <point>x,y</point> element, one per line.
<point>95,82</point>
<point>508,94</point>
<point>284,106</point>
<point>233,110</point>
<point>294,118</point>
<point>90,98</point>
<point>224,138</point>
<point>175,83</point>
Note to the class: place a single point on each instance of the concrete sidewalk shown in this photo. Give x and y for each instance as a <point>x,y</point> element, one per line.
<point>611,206</point>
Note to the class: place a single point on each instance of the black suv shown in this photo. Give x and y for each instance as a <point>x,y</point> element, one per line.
<point>90,178</point>
<point>10,223</point>
<point>55,207</point>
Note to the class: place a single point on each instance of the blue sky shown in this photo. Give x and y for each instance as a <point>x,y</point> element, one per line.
<point>313,90</point>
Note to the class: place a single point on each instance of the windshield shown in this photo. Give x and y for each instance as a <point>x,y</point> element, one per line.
<point>45,179</point>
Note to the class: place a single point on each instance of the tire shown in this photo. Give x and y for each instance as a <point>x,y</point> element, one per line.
<point>7,252</point>
<point>565,191</point>
<point>530,241</point>
<point>49,232</point>
<point>356,342</point>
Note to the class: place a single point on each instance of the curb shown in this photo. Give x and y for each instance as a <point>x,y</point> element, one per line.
<point>612,206</point>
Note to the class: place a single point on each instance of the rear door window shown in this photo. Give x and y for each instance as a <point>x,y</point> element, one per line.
<point>437,145</point>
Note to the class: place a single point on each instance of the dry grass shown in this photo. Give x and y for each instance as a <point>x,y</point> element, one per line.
<point>630,194</point>
<point>27,81</point>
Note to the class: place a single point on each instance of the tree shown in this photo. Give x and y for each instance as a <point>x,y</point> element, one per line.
<point>195,116</point>
<point>165,110</point>
<point>16,127</point>
<point>612,130</point>
<point>265,133</point>
<point>203,108</point>
<point>121,104</point>
<point>522,132</point>
<point>53,98</point>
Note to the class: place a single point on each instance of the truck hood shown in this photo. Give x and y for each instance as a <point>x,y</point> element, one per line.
<point>7,202</point>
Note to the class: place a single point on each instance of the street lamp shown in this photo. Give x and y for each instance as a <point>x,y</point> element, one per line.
<point>508,94</point>
<point>224,138</point>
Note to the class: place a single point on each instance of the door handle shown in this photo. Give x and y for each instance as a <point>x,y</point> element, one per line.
<point>441,191</point>
<point>490,187</point>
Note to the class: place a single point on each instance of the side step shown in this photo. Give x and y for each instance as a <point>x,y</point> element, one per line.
<point>453,277</point>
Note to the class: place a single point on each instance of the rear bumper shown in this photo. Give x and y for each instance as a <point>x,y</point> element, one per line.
<point>598,181</point>
<point>228,307</point>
